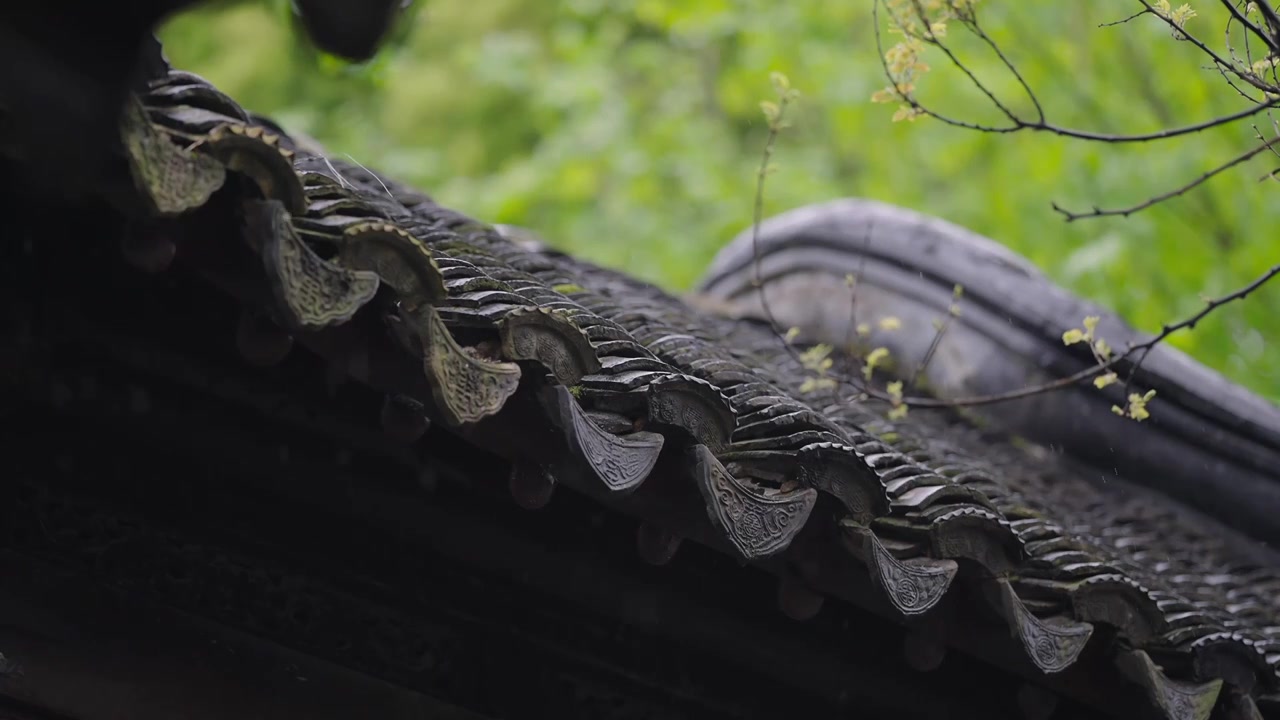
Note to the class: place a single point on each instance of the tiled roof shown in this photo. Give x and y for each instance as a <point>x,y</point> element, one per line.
<point>629,387</point>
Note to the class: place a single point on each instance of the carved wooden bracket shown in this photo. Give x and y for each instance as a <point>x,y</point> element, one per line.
<point>1177,699</point>
<point>912,586</point>
<point>310,292</point>
<point>467,388</point>
<point>1053,644</point>
<point>621,462</point>
<point>756,524</point>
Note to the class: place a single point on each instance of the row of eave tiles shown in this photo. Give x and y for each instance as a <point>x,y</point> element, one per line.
<point>624,370</point>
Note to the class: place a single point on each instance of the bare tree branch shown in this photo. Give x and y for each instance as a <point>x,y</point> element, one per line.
<point>1190,323</point>
<point>1157,199</point>
<point>1273,20</point>
<point>1094,370</point>
<point>972,23</point>
<point>1247,76</point>
<point>776,120</point>
<point>1018,124</point>
<point>1240,17</point>
<point>1134,16</point>
<point>922,30</point>
<point>930,352</point>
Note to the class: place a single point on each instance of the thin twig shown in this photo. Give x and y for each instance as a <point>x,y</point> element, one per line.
<point>1134,16</point>
<point>1181,31</point>
<point>1249,25</point>
<point>757,217</point>
<point>1162,197</point>
<point>1269,13</point>
<point>1018,124</point>
<point>857,280</point>
<point>1190,323</point>
<point>1231,69</point>
<point>1094,370</point>
<point>929,353</point>
<point>972,23</point>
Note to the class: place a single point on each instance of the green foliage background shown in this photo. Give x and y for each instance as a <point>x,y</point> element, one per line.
<point>630,131</point>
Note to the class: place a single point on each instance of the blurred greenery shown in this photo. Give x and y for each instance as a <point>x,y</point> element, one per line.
<point>630,131</point>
